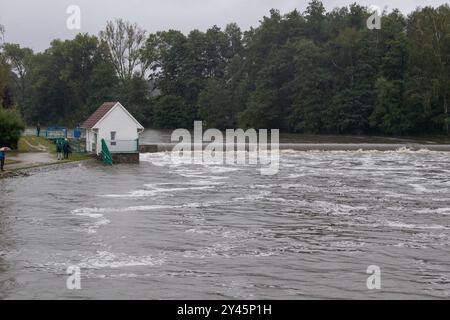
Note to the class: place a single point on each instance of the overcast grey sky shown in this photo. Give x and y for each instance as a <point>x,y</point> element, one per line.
<point>34,23</point>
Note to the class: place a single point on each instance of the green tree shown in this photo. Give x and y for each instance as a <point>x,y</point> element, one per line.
<point>428,83</point>
<point>313,87</point>
<point>171,112</point>
<point>11,126</point>
<point>5,73</point>
<point>20,61</point>
<point>134,94</point>
<point>216,107</point>
<point>62,77</point>
<point>391,115</point>
<point>310,72</point>
<point>125,42</point>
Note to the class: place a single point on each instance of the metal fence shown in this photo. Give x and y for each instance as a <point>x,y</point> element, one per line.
<point>53,133</point>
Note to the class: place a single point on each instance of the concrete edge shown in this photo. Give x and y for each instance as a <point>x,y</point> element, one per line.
<point>163,147</point>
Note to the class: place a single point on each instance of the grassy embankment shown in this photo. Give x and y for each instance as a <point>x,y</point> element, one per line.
<point>35,144</point>
<point>34,152</point>
<point>40,144</point>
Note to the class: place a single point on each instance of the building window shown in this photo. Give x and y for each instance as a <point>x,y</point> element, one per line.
<point>113,138</point>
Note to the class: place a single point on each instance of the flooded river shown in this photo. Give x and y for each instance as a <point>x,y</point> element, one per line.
<point>162,230</point>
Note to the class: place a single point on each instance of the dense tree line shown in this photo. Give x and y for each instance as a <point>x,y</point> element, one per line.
<point>11,123</point>
<point>311,72</point>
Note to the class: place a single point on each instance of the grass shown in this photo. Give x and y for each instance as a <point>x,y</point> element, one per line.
<point>8,161</point>
<point>79,157</point>
<point>35,144</point>
<point>39,144</point>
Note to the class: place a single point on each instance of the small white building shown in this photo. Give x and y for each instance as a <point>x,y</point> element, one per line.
<point>113,123</point>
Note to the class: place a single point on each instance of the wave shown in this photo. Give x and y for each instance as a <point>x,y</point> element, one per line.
<point>154,191</point>
<point>95,214</point>
<point>403,225</point>
<point>94,211</point>
<point>443,211</point>
<point>104,259</point>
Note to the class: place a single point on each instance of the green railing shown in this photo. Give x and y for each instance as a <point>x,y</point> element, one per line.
<point>76,145</point>
<point>105,154</point>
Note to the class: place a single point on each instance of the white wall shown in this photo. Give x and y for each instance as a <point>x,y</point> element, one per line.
<point>89,139</point>
<point>120,122</point>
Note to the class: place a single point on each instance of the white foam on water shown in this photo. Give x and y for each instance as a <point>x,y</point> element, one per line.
<point>122,275</point>
<point>338,208</point>
<point>218,169</point>
<point>201,182</point>
<point>421,189</point>
<point>289,151</point>
<point>323,207</point>
<point>349,244</point>
<point>200,231</point>
<point>253,197</point>
<point>93,228</point>
<point>89,211</point>
<point>160,159</point>
<point>155,191</point>
<point>401,150</point>
<point>403,225</point>
<point>95,214</point>
<point>196,205</point>
<point>443,211</point>
<point>224,232</point>
<point>300,186</point>
<point>104,259</point>
<point>296,175</point>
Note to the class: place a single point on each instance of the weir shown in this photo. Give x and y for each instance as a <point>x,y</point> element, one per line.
<point>163,147</point>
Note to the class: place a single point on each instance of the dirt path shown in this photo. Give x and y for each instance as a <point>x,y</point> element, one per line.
<point>29,159</point>
<point>39,147</point>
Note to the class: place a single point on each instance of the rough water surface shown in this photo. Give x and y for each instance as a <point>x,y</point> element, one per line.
<point>164,230</point>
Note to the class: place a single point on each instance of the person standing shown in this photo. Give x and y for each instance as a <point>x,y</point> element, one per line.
<point>66,147</point>
<point>38,129</point>
<point>2,159</point>
<point>59,149</point>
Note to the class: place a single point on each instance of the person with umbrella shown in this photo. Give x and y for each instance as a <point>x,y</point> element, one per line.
<point>3,157</point>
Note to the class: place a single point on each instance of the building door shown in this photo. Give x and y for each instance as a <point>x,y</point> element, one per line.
<point>94,143</point>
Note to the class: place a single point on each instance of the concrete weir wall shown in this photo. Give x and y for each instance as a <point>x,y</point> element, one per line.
<point>129,158</point>
<point>162,147</point>
<point>149,148</point>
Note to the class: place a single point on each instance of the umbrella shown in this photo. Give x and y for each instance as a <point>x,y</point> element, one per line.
<point>5,149</point>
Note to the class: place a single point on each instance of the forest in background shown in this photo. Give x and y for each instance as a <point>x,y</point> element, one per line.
<point>306,72</point>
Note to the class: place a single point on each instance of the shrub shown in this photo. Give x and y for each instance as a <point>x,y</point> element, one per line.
<point>11,125</point>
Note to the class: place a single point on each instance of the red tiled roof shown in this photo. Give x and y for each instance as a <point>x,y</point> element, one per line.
<point>98,114</point>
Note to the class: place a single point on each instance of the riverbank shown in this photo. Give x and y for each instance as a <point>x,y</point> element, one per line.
<point>25,172</point>
<point>35,152</point>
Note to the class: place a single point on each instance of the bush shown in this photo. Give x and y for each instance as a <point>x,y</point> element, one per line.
<point>11,125</point>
